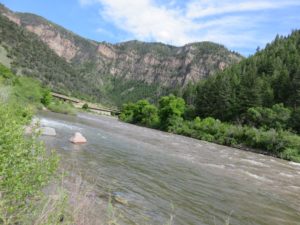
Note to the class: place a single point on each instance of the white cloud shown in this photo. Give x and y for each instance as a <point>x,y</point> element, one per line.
<point>147,21</point>
<point>203,8</point>
<point>196,20</point>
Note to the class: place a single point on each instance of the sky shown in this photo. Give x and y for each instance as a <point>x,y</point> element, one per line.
<point>240,25</point>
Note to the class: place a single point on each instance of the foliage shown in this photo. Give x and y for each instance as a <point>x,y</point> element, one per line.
<point>282,144</point>
<point>190,112</point>
<point>25,167</point>
<point>295,120</point>
<point>46,98</point>
<point>5,72</point>
<point>29,93</point>
<point>85,106</point>
<point>127,112</point>
<point>170,108</point>
<point>120,90</point>
<point>276,117</point>
<point>142,113</point>
<point>27,90</point>
<point>264,87</point>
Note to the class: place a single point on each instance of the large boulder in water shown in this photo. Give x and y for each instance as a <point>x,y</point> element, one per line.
<point>78,138</point>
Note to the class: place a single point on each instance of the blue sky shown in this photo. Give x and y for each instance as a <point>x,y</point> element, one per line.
<point>241,25</point>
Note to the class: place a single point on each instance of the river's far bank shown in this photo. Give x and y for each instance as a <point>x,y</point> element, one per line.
<point>255,132</point>
<point>240,147</point>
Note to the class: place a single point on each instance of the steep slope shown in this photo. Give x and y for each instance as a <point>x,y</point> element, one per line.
<point>30,56</point>
<point>269,77</point>
<point>120,72</point>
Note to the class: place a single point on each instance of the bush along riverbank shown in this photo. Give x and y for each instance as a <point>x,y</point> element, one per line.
<point>25,165</point>
<point>265,129</point>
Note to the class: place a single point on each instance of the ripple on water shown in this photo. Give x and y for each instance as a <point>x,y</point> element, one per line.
<point>101,136</point>
<point>257,177</point>
<point>213,165</point>
<point>188,157</point>
<point>146,170</point>
<point>253,162</point>
<point>294,187</point>
<point>286,175</point>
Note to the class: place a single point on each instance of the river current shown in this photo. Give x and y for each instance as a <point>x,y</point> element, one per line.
<point>163,175</point>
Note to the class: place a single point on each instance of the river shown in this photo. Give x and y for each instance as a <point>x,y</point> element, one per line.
<point>163,175</point>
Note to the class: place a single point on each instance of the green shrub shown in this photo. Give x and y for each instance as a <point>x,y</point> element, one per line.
<point>149,116</point>
<point>291,154</point>
<point>141,112</point>
<point>276,117</point>
<point>25,167</point>
<point>176,124</point>
<point>46,98</point>
<point>127,112</point>
<point>5,72</point>
<point>279,143</point>
<point>295,120</point>
<point>190,112</point>
<point>170,107</point>
<point>85,106</point>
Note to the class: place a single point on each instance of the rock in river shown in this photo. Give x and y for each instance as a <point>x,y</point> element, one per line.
<point>78,138</point>
<point>119,198</point>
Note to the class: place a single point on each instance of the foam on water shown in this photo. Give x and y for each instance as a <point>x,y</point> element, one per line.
<point>294,163</point>
<point>57,124</point>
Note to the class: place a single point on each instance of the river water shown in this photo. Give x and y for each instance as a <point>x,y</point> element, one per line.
<point>163,175</point>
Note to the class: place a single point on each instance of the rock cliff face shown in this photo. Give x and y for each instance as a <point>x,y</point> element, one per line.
<point>163,64</point>
<point>102,63</point>
<point>62,46</point>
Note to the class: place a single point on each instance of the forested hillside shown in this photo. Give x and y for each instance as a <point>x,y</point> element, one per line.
<point>269,77</point>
